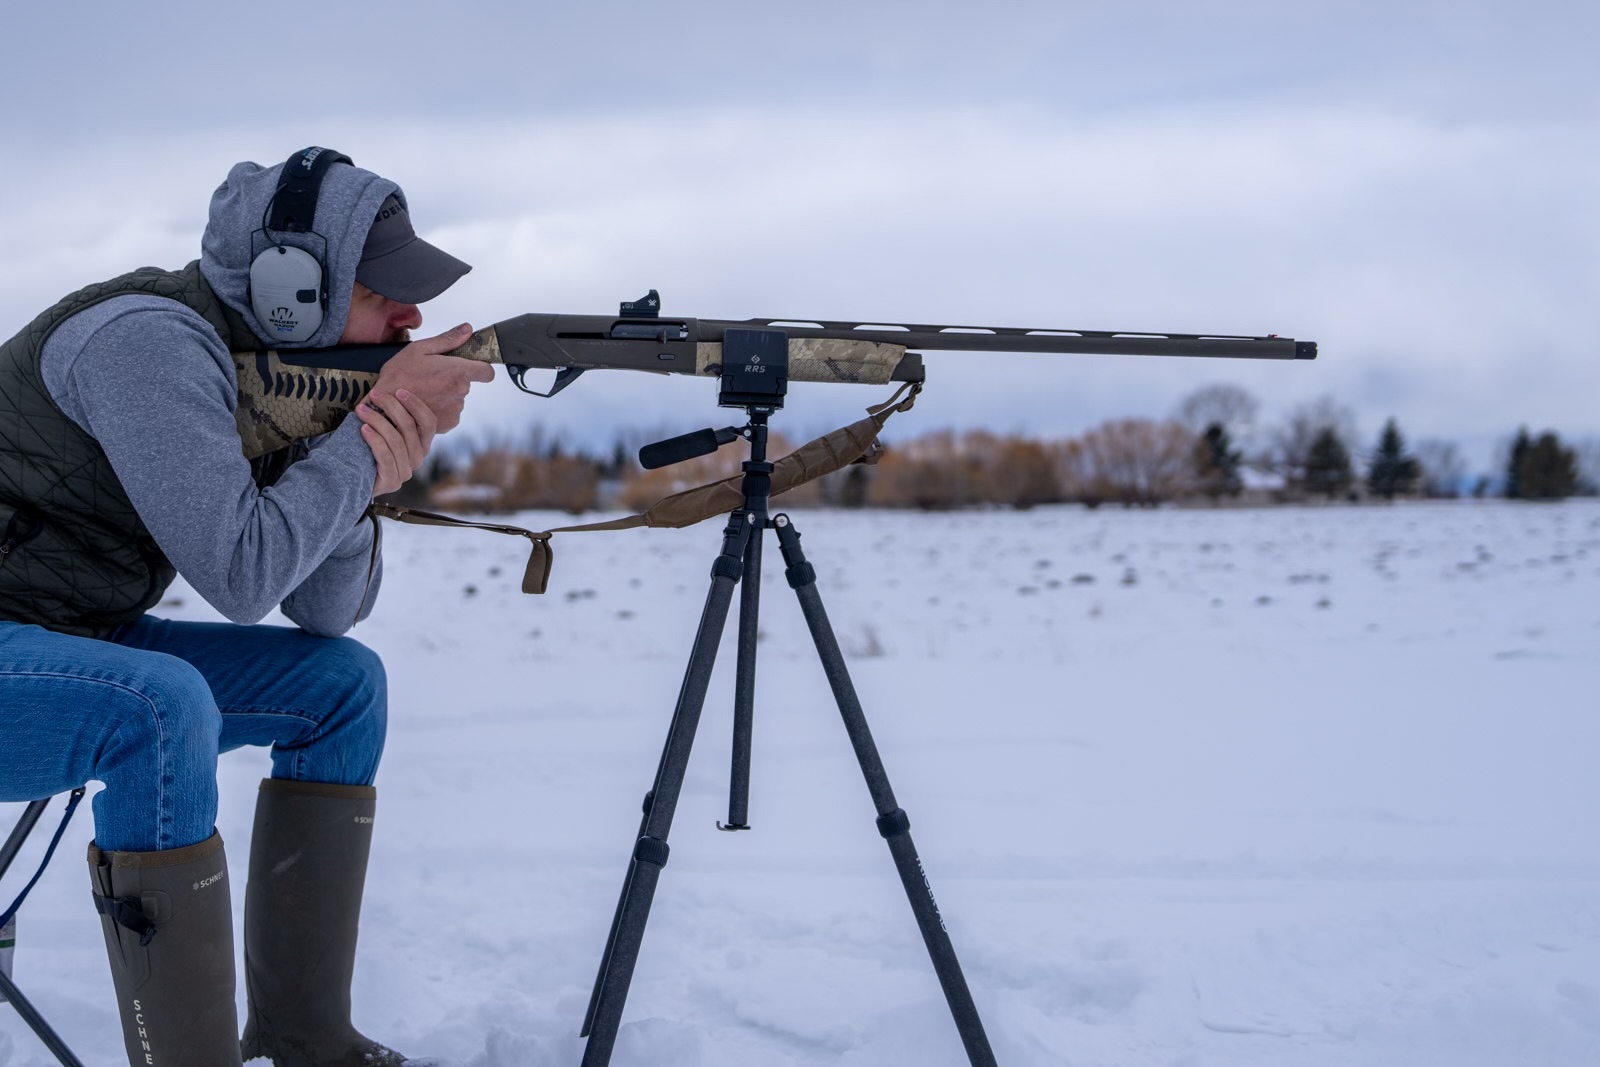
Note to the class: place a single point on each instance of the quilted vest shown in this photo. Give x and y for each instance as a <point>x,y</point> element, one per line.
<point>74,555</point>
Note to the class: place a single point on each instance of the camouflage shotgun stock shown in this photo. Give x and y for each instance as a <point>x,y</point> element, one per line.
<point>288,394</point>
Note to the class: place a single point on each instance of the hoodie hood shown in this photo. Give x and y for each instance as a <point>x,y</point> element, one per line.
<point>347,205</point>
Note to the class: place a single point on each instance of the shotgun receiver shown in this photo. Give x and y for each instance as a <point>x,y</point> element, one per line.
<point>289,394</point>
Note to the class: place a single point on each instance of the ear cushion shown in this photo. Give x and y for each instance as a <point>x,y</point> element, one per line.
<point>286,292</point>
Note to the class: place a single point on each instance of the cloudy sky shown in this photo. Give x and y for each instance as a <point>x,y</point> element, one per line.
<point>1412,185</point>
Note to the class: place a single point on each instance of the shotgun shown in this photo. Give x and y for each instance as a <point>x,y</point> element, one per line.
<point>289,394</point>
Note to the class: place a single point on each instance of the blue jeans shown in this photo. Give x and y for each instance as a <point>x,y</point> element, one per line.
<point>147,712</point>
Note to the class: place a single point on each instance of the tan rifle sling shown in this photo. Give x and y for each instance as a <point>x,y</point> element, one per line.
<point>826,454</point>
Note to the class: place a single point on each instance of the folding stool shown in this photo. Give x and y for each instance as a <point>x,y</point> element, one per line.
<point>8,988</point>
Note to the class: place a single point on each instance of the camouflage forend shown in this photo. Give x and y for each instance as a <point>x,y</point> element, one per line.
<point>821,359</point>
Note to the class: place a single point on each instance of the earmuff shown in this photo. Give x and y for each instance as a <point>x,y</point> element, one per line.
<point>288,285</point>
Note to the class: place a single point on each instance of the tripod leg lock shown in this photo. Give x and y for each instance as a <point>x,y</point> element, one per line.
<point>727,567</point>
<point>651,850</point>
<point>802,574</point>
<point>894,824</point>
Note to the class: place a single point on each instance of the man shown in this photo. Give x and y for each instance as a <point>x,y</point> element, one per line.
<point>120,464</point>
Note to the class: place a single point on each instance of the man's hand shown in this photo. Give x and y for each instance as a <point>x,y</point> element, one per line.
<point>439,381</point>
<point>399,429</point>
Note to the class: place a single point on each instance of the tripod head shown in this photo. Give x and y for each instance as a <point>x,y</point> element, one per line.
<point>754,376</point>
<point>755,370</point>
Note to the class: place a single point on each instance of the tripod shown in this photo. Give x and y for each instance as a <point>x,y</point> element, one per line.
<point>750,359</point>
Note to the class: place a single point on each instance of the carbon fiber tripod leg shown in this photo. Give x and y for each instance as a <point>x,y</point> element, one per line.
<point>744,690</point>
<point>650,850</point>
<point>892,821</point>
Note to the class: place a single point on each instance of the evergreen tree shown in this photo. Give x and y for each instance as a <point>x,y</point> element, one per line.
<point>417,490</point>
<point>853,493</point>
<point>1519,452</point>
<point>1549,471</point>
<point>1393,471</point>
<point>1328,467</point>
<point>621,461</point>
<point>1216,462</point>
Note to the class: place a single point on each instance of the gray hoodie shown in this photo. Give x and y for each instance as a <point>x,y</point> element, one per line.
<point>346,206</point>
<point>155,386</point>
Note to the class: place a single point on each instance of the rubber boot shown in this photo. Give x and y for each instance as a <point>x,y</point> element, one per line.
<point>308,866</point>
<point>168,923</point>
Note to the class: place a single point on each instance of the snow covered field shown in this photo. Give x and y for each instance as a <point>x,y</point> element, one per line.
<point>1309,786</point>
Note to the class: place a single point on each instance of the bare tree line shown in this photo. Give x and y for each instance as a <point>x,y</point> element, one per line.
<point>1215,448</point>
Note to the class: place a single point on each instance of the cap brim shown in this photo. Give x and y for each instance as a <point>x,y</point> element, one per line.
<point>412,274</point>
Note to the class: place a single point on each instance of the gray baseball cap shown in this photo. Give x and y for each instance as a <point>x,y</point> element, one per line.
<point>398,264</point>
